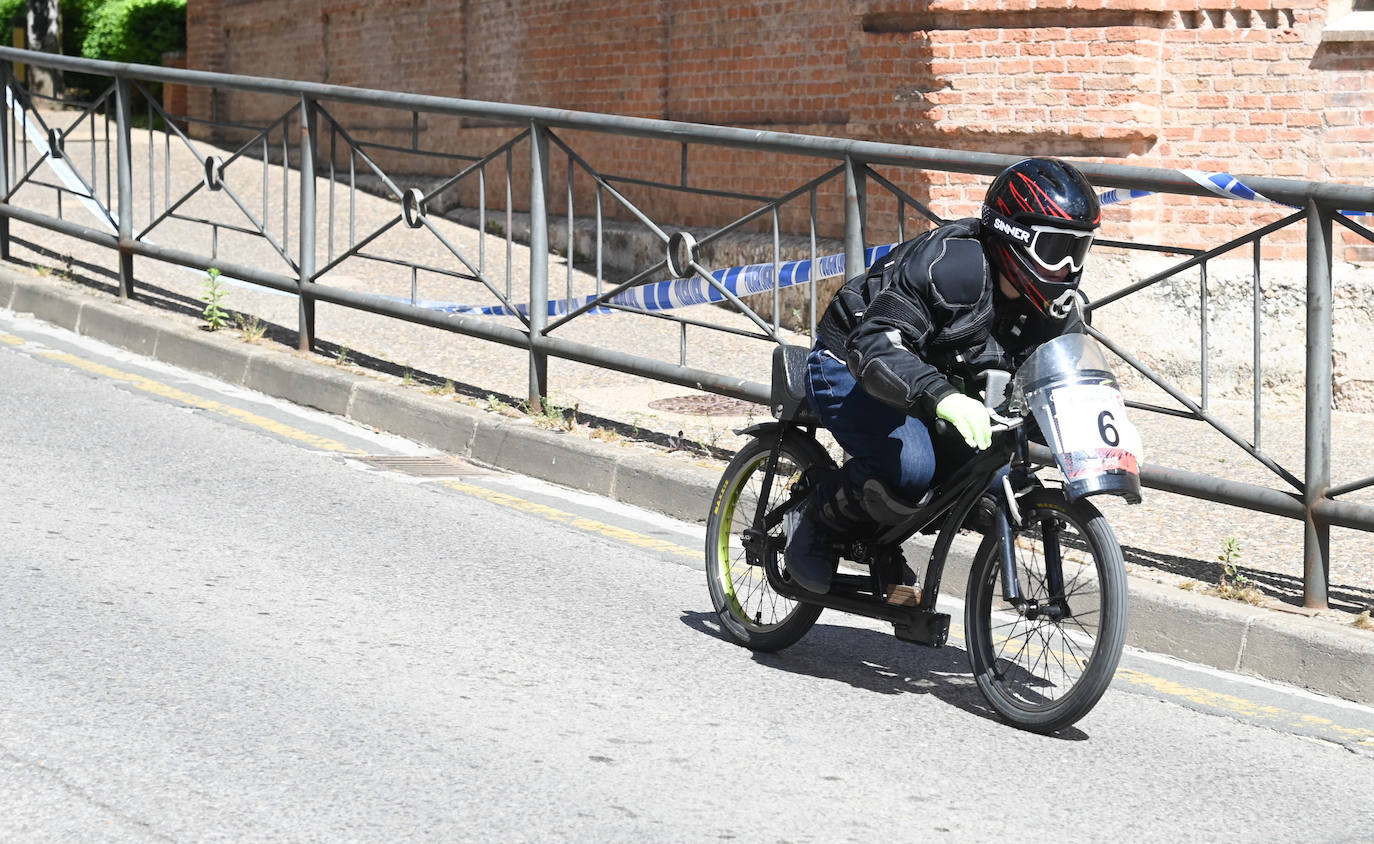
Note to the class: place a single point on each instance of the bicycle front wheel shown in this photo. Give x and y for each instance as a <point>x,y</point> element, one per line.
<point>751,613</point>
<point>1044,662</point>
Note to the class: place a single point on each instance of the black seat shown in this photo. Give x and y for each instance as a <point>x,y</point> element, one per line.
<point>789,402</point>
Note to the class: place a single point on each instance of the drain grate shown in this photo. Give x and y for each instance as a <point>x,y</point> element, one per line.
<point>709,406</point>
<point>441,466</point>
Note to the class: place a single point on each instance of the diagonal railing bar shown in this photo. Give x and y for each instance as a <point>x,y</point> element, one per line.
<point>28,174</point>
<point>904,196</point>
<point>772,205</point>
<point>477,165</point>
<point>604,297</point>
<point>355,147</point>
<point>617,195</point>
<point>1099,243</point>
<point>476,271</point>
<point>682,320</point>
<point>21,96</point>
<point>705,275</point>
<point>1366,233</point>
<point>1334,491</point>
<point>629,206</point>
<point>170,211</point>
<point>355,248</point>
<point>1167,411</point>
<point>1195,260</point>
<point>261,226</point>
<point>261,133</point>
<point>88,111</point>
<point>633,209</point>
<point>169,124</point>
<point>401,262</point>
<point>1221,427</point>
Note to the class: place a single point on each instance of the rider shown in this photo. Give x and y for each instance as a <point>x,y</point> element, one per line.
<point>896,346</point>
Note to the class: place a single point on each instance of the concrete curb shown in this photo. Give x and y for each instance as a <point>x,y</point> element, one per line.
<point>1308,652</point>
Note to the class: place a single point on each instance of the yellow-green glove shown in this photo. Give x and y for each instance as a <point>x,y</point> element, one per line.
<point>969,418</point>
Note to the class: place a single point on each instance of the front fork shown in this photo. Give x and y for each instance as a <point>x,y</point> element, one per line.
<point>1007,519</point>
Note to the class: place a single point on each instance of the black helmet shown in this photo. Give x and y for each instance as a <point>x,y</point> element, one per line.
<point>1038,220</point>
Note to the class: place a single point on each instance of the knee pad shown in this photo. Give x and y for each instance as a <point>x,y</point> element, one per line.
<point>884,506</point>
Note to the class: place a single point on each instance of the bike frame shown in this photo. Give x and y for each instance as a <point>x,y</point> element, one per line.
<point>950,505</point>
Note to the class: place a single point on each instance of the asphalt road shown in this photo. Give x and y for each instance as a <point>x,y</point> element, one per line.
<point>219,620</point>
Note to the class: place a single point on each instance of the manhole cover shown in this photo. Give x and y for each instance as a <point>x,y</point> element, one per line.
<point>425,467</point>
<point>709,406</point>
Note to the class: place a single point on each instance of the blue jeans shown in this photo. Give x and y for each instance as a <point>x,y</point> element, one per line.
<point>882,442</point>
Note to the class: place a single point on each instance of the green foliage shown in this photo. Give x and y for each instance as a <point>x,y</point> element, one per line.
<point>76,23</point>
<point>13,12</point>
<point>137,31</point>
<point>75,20</point>
<point>215,316</point>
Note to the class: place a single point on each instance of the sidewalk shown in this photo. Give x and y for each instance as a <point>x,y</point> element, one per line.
<point>1326,653</point>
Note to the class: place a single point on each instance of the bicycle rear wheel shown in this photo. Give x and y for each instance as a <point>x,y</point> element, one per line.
<point>1044,664</point>
<point>751,613</point>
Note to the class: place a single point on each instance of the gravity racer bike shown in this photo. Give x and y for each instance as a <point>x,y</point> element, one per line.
<point>1045,603</point>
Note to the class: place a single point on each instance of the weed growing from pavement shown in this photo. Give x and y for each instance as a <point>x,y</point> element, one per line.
<point>251,327</point>
<point>1234,585</point>
<point>408,380</point>
<point>215,317</point>
<point>1363,621</point>
<point>341,358</point>
<point>553,415</point>
<point>444,389</point>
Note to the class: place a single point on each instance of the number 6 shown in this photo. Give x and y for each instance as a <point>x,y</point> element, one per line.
<point>1107,430</point>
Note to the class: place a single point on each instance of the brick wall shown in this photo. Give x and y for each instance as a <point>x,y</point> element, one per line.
<point>1244,86</point>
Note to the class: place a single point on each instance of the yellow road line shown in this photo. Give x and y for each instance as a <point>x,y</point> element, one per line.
<point>1216,701</point>
<point>579,522</point>
<point>167,391</point>
<point>11,339</point>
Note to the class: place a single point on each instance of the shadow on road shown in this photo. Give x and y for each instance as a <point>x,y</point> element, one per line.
<point>877,662</point>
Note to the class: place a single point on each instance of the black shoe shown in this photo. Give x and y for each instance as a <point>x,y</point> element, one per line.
<point>813,552</point>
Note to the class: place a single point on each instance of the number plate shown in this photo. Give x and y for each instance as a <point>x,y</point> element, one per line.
<point>1091,431</point>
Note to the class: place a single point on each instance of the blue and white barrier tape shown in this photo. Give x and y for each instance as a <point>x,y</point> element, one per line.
<point>1222,184</point>
<point>683,292</point>
<point>758,278</point>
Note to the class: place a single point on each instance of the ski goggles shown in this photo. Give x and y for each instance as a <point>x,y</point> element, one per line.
<point>1051,247</point>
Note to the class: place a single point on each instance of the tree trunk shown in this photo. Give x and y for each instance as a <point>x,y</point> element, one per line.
<point>45,34</point>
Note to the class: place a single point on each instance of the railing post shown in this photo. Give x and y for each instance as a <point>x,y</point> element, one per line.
<point>123,154</point>
<point>306,310</point>
<point>539,263</point>
<point>855,212</point>
<point>1317,532</point>
<point>5,80</point>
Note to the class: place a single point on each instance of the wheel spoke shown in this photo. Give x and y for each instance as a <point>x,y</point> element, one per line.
<point>1046,672</point>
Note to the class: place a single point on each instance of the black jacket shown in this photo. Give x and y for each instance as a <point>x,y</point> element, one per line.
<point>928,316</point>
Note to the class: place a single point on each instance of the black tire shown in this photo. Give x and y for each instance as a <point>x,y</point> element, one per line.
<point>751,613</point>
<point>1043,674</point>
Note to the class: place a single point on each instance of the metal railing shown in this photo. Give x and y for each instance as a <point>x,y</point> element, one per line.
<point>828,187</point>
